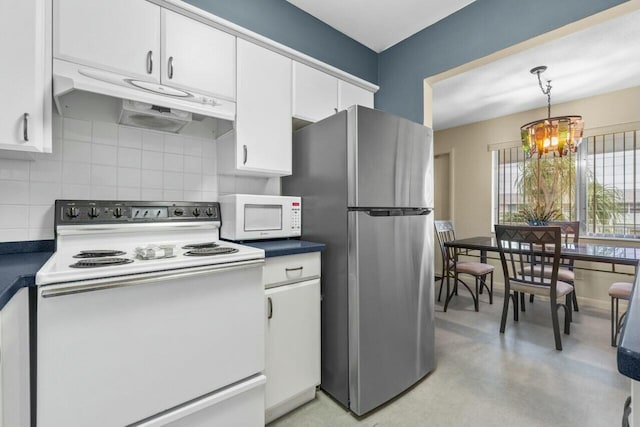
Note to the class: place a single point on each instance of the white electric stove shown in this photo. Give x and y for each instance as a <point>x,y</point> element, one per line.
<point>145,318</point>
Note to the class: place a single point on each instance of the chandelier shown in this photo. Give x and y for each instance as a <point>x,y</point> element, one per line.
<point>557,135</point>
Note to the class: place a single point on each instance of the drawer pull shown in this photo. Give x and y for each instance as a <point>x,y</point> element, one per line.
<point>269,308</point>
<point>288,270</point>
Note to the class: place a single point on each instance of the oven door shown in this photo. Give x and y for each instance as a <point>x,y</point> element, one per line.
<point>116,352</point>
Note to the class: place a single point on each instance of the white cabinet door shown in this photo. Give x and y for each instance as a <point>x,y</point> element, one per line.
<point>292,340</point>
<point>349,94</point>
<point>197,57</point>
<point>315,94</point>
<point>25,40</point>
<point>117,35</point>
<point>263,111</point>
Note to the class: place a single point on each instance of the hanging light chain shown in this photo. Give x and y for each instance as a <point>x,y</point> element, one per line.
<point>546,91</point>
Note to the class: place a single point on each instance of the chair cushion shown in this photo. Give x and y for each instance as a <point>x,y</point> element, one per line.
<point>474,268</point>
<point>562,288</point>
<point>564,274</point>
<point>621,290</point>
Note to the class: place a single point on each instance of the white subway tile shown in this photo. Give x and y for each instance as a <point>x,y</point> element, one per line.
<point>105,133</point>
<point>15,170</point>
<point>41,216</point>
<point>103,175</point>
<point>151,194</point>
<point>209,183</point>
<point>56,126</point>
<point>152,160</point>
<point>173,181</point>
<point>75,151</point>
<point>14,216</point>
<point>226,184</point>
<point>104,155</point>
<point>192,182</point>
<point>129,137</point>
<point>173,195</point>
<point>151,179</point>
<point>209,166</point>
<point>126,193</point>
<point>13,234</point>
<point>41,233</point>
<point>77,130</point>
<point>173,162</point>
<point>76,173</point>
<point>209,196</point>
<point>129,157</point>
<point>152,141</point>
<point>45,171</point>
<point>193,147</point>
<point>173,143</point>
<point>73,191</point>
<point>192,164</point>
<point>192,196</point>
<point>209,149</point>
<point>44,193</point>
<point>128,177</point>
<point>104,192</point>
<point>14,192</point>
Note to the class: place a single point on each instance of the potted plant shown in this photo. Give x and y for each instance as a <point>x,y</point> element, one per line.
<point>540,214</point>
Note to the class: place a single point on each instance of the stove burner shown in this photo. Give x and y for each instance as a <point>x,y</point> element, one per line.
<point>98,253</point>
<point>210,251</point>
<point>100,262</point>
<point>206,245</point>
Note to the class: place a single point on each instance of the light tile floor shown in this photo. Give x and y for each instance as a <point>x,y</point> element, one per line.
<point>483,378</point>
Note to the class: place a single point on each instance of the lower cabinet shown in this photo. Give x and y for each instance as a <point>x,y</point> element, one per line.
<point>292,344</point>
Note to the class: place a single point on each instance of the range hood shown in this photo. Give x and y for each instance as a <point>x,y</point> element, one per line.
<point>145,103</point>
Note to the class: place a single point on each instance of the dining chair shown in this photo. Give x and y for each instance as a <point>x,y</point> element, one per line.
<point>618,291</point>
<point>570,235</point>
<point>519,246</point>
<point>452,268</point>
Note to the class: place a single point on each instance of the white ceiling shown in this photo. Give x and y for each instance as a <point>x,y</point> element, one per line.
<point>380,24</point>
<point>600,59</point>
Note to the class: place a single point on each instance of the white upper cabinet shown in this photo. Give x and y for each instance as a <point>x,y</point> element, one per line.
<point>350,94</point>
<point>263,111</point>
<point>25,46</point>
<point>315,94</point>
<point>117,35</point>
<point>197,57</point>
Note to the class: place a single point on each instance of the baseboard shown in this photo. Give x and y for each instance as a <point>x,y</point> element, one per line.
<point>289,405</point>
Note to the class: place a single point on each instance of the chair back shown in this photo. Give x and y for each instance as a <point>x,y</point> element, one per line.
<point>520,245</point>
<point>570,234</point>
<point>445,233</point>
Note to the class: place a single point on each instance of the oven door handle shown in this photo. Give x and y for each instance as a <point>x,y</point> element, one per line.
<point>101,285</point>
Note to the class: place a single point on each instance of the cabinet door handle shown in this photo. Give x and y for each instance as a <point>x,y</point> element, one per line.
<point>269,308</point>
<point>335,109</point>
<point>244,150</point>
<point>626,412</point>
<point>25,127</point>
<point>170,67</point>
<point>149,62</point>
<point>288,270</point>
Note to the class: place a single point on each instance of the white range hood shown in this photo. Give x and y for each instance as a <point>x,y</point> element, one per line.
<point>69,77</point>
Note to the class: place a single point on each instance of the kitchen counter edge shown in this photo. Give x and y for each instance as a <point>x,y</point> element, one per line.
<point>274,248</point>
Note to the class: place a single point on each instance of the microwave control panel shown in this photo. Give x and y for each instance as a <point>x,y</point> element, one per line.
<point>296,215</point>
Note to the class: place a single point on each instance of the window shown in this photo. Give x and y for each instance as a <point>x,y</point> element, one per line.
<point>599,185</point>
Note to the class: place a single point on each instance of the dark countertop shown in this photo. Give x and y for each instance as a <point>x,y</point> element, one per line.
<point>629,344</point>
<point>285,247</point>
<point>18,270</point>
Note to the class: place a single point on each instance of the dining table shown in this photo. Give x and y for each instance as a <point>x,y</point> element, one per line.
<point>628,351</point>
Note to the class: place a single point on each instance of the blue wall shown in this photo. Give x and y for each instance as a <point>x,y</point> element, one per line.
<point>286,24</point>
<point>477,30</point>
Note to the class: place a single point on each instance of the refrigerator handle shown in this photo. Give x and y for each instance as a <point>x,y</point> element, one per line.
<point>399,212</point>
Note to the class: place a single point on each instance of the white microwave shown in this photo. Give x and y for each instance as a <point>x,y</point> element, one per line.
<point>255,217</point>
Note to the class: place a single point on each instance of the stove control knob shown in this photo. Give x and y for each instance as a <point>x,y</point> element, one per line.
<point>94,212</point>
<point>178,212</point>
<point>209,211</point>
<point>73,212</point>
<point>117,212</point>
<point>196,212</point>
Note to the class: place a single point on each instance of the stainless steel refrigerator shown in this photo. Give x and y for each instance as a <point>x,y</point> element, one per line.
<point>366,179</point>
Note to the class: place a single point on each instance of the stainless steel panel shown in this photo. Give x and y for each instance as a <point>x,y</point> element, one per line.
<point>319,176</point>
<point>390,160</point>
<point>391,318</point>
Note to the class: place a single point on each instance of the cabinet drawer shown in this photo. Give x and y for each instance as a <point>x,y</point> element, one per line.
<point>291,268</point>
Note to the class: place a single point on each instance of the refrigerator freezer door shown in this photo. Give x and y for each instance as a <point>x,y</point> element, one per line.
<point>390,160</point>
<point>391,319</point>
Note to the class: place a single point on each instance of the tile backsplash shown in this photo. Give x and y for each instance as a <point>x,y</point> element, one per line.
<point>99,160</point>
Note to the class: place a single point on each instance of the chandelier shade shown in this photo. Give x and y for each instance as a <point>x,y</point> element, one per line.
<point>557,135</point>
